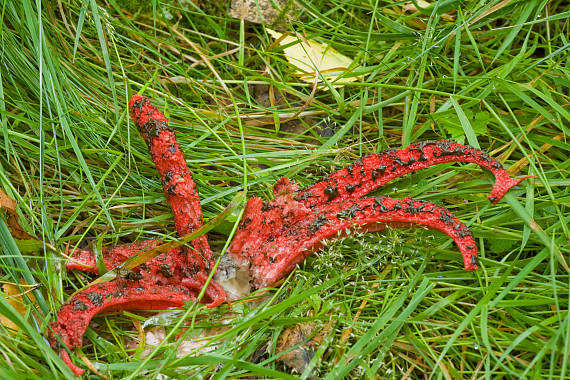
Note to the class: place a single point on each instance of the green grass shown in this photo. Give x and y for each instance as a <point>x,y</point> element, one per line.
<point>494,74</point>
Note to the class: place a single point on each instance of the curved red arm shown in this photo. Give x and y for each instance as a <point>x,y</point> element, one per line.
<point>73,318</point>
<point>274,237</point>
<point>371,172</point>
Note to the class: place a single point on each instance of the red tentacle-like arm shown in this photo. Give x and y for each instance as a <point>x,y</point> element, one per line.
<point>179,187</point>
<point>162,282</point>
<point>371,172</point>
<point>73,318</point>
<point>274,237</point>
<point>84,259</point>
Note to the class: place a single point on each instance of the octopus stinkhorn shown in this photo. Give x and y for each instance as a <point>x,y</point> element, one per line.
<point>273,236</point>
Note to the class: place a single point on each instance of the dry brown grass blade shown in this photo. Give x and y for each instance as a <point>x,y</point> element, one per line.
<point>520,164</point>
<point>346,333</point>
<point>489,11</point>
<point>205,59</point>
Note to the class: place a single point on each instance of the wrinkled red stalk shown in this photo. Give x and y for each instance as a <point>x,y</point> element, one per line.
<point>177,182</point>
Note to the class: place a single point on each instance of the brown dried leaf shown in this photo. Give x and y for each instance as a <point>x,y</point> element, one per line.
<point>299,358</point>
<point>7,203</point>
<point>14,226</point>
<point>16,229</point>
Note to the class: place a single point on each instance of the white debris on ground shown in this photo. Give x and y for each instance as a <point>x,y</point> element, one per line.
<point>236,282</point>
<point>233,278</point>
<point>191,346</point>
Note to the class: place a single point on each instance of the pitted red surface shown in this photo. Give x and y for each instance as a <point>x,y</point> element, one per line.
<point>273,237</point>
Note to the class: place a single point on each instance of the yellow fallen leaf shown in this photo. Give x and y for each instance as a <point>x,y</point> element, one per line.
<point>309,56</point>
<point>14,298</point>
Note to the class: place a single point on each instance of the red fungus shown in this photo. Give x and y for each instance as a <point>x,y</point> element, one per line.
<point>74,317</point>
<point>179,187</point>
<point>276,236</point>
<point>273,237</point>
<point>168,280</point>
<point>371,172</point>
